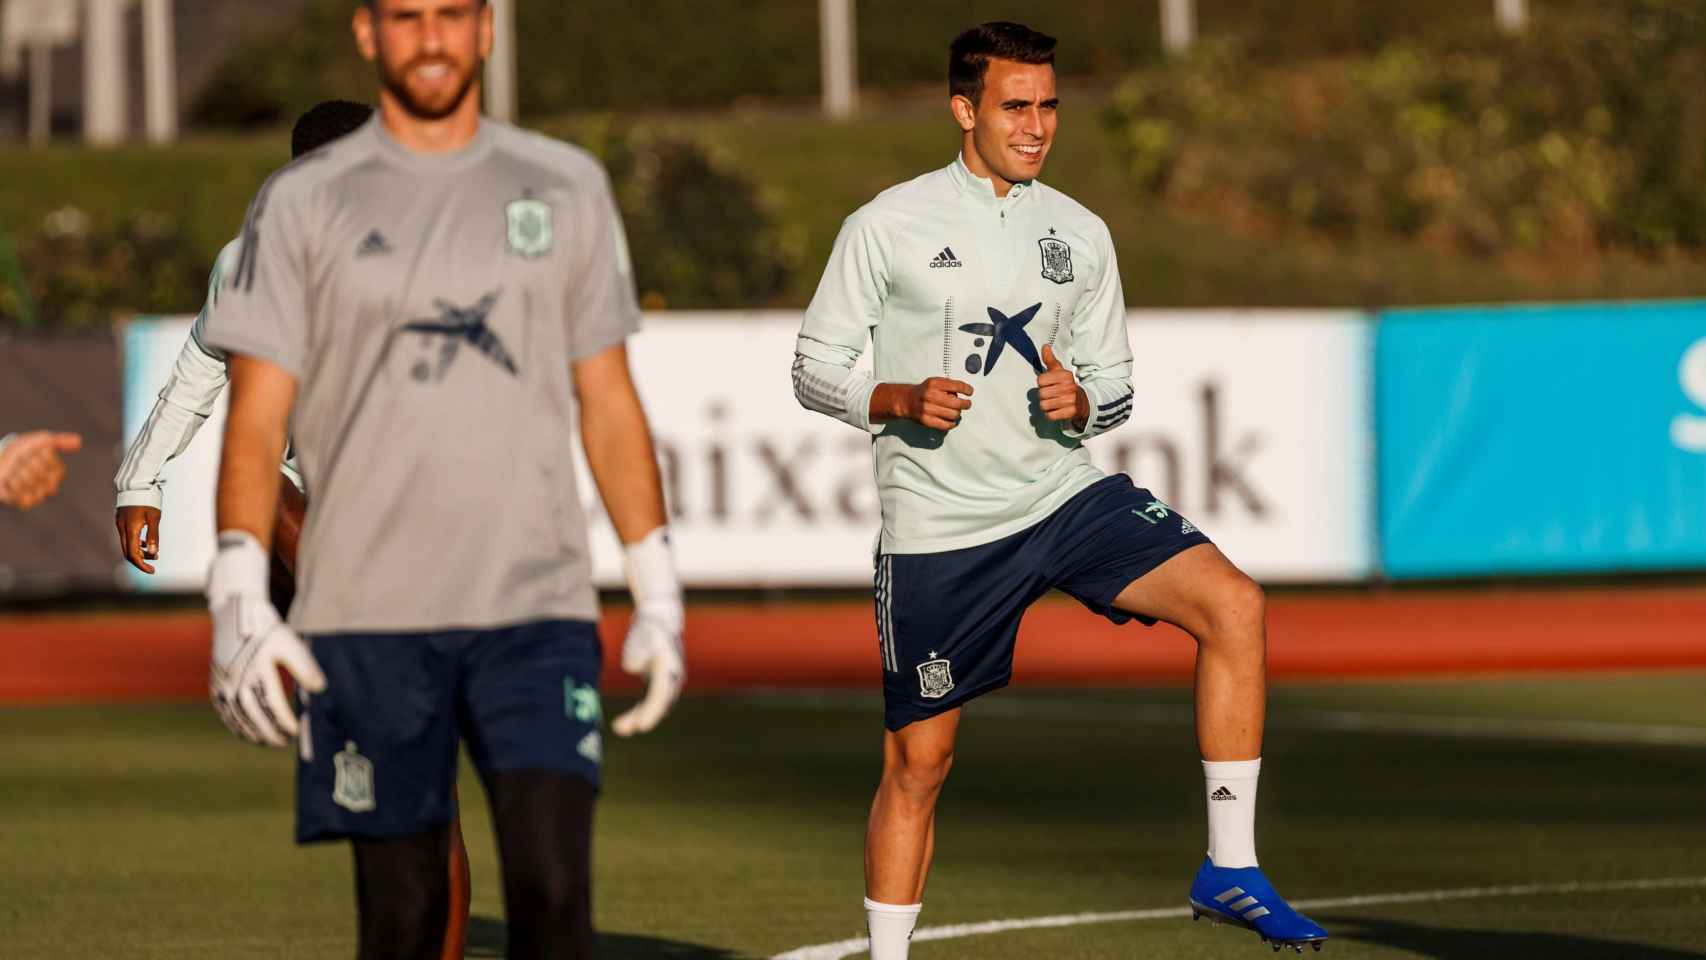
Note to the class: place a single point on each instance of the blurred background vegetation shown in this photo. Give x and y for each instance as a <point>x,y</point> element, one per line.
<point>1307,153</point>
<point>1587,136</point>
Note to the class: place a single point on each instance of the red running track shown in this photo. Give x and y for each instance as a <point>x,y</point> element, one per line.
<point>163,656</point>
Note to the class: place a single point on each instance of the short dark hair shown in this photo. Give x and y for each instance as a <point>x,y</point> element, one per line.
<point>970,53</point>
<point>327,122</point>
<point>374,4</point>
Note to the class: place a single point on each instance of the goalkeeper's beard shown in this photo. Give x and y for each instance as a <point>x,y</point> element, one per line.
<point>396,83</point>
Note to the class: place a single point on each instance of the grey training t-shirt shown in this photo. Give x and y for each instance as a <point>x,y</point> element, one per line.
<point>429,307</point>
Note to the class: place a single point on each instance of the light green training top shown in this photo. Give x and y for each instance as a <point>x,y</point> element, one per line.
<point>945,279</point>
<point>186,402</point>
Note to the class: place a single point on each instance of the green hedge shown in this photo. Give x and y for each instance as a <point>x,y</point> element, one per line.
<point>702,235</point>
<point>85,270</point>
<point>664,54</point>
<point>1586,135</point>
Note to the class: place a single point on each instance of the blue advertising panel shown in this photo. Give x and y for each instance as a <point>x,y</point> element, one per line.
<point>1546,439</point>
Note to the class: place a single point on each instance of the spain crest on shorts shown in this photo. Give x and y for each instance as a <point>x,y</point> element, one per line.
<point>1057,260</point>
<point>353,787</point>
<point>935,678</point>
<point>529,227</point>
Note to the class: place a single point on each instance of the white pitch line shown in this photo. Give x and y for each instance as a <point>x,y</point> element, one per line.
<point>1348,721</point>
<point>849,948</point>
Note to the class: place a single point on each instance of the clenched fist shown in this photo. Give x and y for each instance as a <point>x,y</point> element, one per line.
<point>937,403</point>
<point>1059,394</point>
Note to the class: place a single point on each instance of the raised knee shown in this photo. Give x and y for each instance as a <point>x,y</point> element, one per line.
<point>1250,599</point>
<point>917,768</point>
<point>1238,613</point>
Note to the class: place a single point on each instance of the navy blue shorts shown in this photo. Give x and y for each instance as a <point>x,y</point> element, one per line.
<point>379,747</point>
<point>947,622</point>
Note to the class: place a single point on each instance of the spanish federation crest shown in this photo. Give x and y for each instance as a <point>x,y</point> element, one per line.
<point>353,788</point>
<point>591,747</point>
<point>1057,260</point>
<point>529,227</point>
<point>935,678</point>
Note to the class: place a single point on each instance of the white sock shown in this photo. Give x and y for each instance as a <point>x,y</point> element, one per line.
<point>891,928</point>
<point>1232,811</point>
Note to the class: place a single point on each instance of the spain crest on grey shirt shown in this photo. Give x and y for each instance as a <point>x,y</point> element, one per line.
<point>529,227</point>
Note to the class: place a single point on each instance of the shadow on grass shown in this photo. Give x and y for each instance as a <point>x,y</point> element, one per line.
<point>488,938</point>
<point>1451,943</point>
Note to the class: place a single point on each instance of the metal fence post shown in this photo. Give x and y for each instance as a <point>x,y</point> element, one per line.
<point>106,67</point>
<point>1178,25</point>
<point>836,31</point>
<point>500,81</point>
<point>160,68</point>
<point>1512,15</point>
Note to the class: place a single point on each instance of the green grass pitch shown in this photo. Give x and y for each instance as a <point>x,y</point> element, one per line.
<point>736,830</point>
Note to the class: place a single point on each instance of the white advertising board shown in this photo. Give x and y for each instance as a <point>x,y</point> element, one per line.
<point>1254,424</point>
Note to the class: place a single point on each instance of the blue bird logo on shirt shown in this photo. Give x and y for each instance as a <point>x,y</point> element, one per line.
<point>464,325</point>
<point>1003,332</point>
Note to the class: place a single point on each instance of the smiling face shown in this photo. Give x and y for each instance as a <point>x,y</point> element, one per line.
<point>428,52</point>
<point>1008,132</point>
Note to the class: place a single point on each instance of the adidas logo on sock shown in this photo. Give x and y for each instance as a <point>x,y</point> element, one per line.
<point>946,259</point>
<point>1223,794</point>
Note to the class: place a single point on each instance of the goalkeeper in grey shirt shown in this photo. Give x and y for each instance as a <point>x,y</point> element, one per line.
<point>198,377</point>
<point>432,306</point>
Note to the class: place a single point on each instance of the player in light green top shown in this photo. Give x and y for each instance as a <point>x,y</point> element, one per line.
<point>994,309</point>
<point>962,288</point>
<point>198,379</point>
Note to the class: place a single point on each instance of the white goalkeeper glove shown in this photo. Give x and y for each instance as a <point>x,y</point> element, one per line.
<point>653,646</point>
<point>250,644</point>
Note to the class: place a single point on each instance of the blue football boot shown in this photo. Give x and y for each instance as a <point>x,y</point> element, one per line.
<point>1242,896</point>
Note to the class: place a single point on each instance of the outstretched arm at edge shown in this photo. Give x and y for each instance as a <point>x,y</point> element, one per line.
<point>186,401</point>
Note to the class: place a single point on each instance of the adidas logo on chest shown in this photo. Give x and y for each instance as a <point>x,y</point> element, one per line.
<point>945,259</point>
<point>374,244</point>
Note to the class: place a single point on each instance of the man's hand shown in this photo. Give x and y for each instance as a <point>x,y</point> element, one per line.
<point>30,467</point>
<point>131,543</point>
<point>653,650</point>
<point>1059,394</point>
<point>936,403</point>
<point>250,645</point>
<point>653,647</point>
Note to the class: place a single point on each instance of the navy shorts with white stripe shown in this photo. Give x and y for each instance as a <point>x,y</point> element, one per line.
<point>947,622</point>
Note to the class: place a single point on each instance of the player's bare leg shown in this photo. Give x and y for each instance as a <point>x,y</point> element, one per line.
<point>1201,592</point>
<point>929,856</point>
<point>901,834</point>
